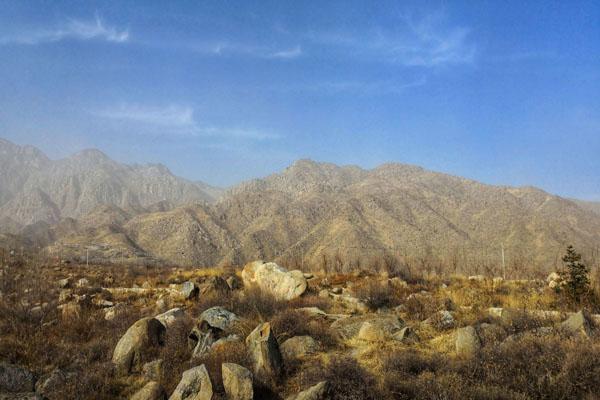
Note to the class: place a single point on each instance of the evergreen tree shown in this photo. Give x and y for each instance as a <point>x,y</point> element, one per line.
<point>576,277</point>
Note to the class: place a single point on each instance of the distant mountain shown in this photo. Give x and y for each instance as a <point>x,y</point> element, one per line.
<point>311,212</point>
<point>589,205</point>
<point>34,188</point>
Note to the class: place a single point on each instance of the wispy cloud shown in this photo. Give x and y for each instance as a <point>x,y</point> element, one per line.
<point>73,29</point>
<point>228,48</point>
<point>420,42</point>
<point>287,54</point>
<point>177,120</point>
<point>358,87</point>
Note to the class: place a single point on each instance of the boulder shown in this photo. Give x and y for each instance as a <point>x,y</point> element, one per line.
<point>264,352</point>
<point>82,283</point>
<point>113,312</point>
<point>219,317</point>
<point>213,286</point>
<point>194,385</point>
<point>16,379</point>
<point>370,332</point>
<point>237,382</point>
<point>153,370</point>
<point>171,317</point>
<point>151,391</point>
<point>142,336</point>
<point>65,283</point>
<point>320,391</point>
<point>349,327</point>
<point>273,279</point>
<point>406,335</point>
<point>579,323</point>
<point>298,347</point>
<point>189,290</point>
<point>211,329</point>
<point>467,342</point>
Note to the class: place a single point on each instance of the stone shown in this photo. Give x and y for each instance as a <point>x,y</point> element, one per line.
<point>151,391</point>
<point>153,370</point>
<point>578,323</point>
<point>264,352</point>
<point>298,347</point>
<point>349,327</point>
<point>467,342</point>
<point>171,317</point>
<point>113,312</point>
<point>441,320</point>
<point>211,329</point>
<point>141,337</point>
<point>398,283</point>
<point>237,382</point>
<point>406,335</point>
<point>194,385</point>
<point>370,332</point>
<point>82,283</point>
<point>320,391</point>
<point>233,282</point>
<point>219,317</point>
<point>65,283</point>
<point>189,290</point>
<point>275,280</point>
<point>14,379</point>
<point>213,286</point>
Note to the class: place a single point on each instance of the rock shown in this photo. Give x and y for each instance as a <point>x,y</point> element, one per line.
<point>65,283</point>
<point>264,353</point>
<point>237,382</point>
<point>351,303</point>
<point>169,318</point>
<point>370,332</point>
<point>349,327</point>
<point>15,379</point>
<point>398,283</point>
<point>194,385</point>
<point>213,286</point>
<point>151,391</point>
<point>324,293</point>
<point>298,347</point>
<point>219,317</point>
<point>189,290</point>
<point>153,370</point>
<point>113,312</point>
<point>336,290</point>
<point>317,392</point>
<point>441,320</point>
<point>141,337</point>
<point>82,283</point>
<point>233,282</point>
<point>146,285</point>
<point>578,323</point>
<point>274,279</point>
<point>406,335</point>
<point>211,329</point>
<point>467,342</point>
<point>65,295</point>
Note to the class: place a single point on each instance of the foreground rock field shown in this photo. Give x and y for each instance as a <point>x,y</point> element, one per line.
<point>263,332</point>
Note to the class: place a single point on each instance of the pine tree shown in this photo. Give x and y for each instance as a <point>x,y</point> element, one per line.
<point>575,276</point>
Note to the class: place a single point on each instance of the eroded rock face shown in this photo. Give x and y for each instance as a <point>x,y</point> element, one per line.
<point>237,382</point>
<point>467,341</point>
<point>320,391</point>
<point>15,379</point>
<point>151,391</point>
<point>270,277</point>
<point>141,337</point>
<point>264,352</point>
<point>194,385</point>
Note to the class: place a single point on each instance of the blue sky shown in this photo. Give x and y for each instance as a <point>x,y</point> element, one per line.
<point>499,91</point>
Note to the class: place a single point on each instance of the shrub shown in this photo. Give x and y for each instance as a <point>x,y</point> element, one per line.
<point>576,276</point>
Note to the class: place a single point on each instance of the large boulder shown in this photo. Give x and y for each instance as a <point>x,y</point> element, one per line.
<point>298,347</point>
<point>189,290</point>
<point>151,391</point>
<point>16,379</point>
<point>270,277</point>
<point>320,391</point>
<point>219,317</point>
<point>467,342</point>
<point>265,354</point>
<point>213,326</point>
<point>194,385</point>
<point>171,317</point>
<point>141,337</point>
<point>237,382</point>
<point>579,323</point>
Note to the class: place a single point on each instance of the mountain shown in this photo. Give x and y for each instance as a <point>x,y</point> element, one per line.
<point>589,205</point>
<point>34,188</point>
<point>317,213</point>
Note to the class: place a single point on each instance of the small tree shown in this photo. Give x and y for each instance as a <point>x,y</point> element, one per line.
<point>576,276</point>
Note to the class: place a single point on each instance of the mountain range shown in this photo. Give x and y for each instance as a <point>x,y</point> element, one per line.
<point>309,213</point>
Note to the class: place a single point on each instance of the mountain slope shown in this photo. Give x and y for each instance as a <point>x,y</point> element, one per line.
<point>34,188</point>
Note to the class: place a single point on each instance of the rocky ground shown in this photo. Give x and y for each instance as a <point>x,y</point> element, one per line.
<point>262,332</point>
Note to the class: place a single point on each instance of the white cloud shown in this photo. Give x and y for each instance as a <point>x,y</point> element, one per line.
<point>176,120</point>
<point>73,29</point>
<point>287,54</point>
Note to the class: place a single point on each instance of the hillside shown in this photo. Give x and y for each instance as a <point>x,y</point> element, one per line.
<point>34,188</point>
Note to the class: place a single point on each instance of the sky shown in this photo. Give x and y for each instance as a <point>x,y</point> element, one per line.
<point>504,92</point>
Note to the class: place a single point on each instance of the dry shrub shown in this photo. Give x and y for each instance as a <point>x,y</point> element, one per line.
<point>347,379</point>
<point>290,323</point>
<point>376,294</point>
<point>421,306</point>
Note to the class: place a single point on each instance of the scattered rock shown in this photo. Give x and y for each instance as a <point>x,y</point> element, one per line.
<point>467,342</point>
<point>317,392</point>
<point>441,320</point>
<point>213,286</point>
<point>219,317</point>
<point>82,283</point>
<point>65,283</point>
<point>237,382</point>
<point>139,338</point>
<point>370,332</point>
<point>264,353</point>
<point>171,317</point>
<point>194,385</point>
<point>16,379</point>
<point>151,391</point>
<point>274,279</point>
<point>578,323</point>
<point>189,290</point>
<point>298,347</point>
<point>349,327</point>
<point>113,312</point>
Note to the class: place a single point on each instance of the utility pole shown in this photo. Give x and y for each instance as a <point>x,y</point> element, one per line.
<point>503,264</point>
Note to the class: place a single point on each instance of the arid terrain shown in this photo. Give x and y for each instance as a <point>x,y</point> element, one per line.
<point>262,332</point>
